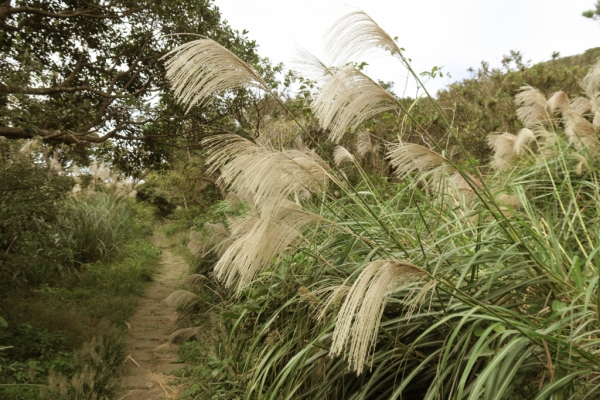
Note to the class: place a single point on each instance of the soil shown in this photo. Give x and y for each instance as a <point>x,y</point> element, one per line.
<point>150,359</point>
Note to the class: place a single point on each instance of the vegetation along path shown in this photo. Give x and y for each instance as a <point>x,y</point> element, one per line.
<point>149,356</point>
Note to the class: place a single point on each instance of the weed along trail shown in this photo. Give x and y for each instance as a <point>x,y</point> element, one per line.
<point>144,374</point>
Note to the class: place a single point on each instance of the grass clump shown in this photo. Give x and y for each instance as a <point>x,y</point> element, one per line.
<point>448,280</point>
<point>96,224</point>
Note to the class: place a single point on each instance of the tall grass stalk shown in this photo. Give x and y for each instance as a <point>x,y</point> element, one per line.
<point>448,283</point>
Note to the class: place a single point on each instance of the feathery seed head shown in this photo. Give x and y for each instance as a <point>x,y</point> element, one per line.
<point>503,145</point>
<point>591,82</point>
<point>357,322</point>
<point>260,241</point>
<point>364,144</point>
<point>347,99</point>
<point>201,68</point>
<point>581,105</point>
<point>524,137</point>
<point>406,158</point>
<point>342,156</point>
<point>267,175</point>
<point>533,107</point>
<point>559,101</point>
<point>355,34</point>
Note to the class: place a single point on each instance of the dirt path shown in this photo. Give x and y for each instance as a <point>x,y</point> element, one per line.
<point>149,356</point>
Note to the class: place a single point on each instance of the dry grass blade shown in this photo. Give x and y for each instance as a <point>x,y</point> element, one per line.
<point>347,99</point>
<point>183,335</point>
<point>357,323</point>
<point>406,158</point>
<point>203,67</point>
<point>355,34</point>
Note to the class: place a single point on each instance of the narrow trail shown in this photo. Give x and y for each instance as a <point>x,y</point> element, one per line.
<point>150,357</point>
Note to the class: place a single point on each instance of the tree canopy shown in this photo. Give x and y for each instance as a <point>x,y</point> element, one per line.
<point>77,71</point>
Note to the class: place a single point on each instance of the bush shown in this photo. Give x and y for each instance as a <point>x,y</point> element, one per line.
<point>31,247</point>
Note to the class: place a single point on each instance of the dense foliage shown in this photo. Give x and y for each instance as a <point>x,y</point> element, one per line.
<point>445,281</point>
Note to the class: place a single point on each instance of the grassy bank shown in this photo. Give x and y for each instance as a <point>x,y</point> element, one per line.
<point>64,336</point>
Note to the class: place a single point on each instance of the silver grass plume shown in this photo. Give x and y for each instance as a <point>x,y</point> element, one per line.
<point>581,162</point>
<point>503,145</point>
<point>334,295</point>
<point>364,143</point>
<point>196,248</point>
<point>591,82</point>
<point>55,164</point>
<point>532,107</point>
<point>357,322</point>
<point>310,65</point>
<point>197,236</point>
<point>581,105</point>
<point>219,240</point>
<point>581,132</point>
<point>342,156</point>
<point>524,137</point>
<point>260,242</point>
<point>347,99</point>
<point>278,134</point>
<point>355,34</point>
<point>195,282</point>
<point>558,101</point>
<point>407,158</point>
<point>185,334</point>
<point>201,68</point>
<point>182,299</point>
<point>30,146</point>
<point>268,176</point>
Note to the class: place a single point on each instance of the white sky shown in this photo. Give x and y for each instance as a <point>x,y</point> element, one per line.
<point>455,34</point>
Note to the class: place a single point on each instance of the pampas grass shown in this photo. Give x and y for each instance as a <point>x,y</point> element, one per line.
<point>268,176</point>
<point>261,241</point>
<point>347,99</point>
<point>407,158</point>
<point>353,36</point>
<point>202,68</point>
<point>357,322</point>
<point>342,156</point>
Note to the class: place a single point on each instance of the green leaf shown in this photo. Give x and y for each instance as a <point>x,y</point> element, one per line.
<point>232,315</point>
<point>3,323</point>
<point>558,305</point>
<point>478,331</point>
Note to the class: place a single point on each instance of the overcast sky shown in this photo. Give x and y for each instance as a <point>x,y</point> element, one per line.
<point>455,34</point>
